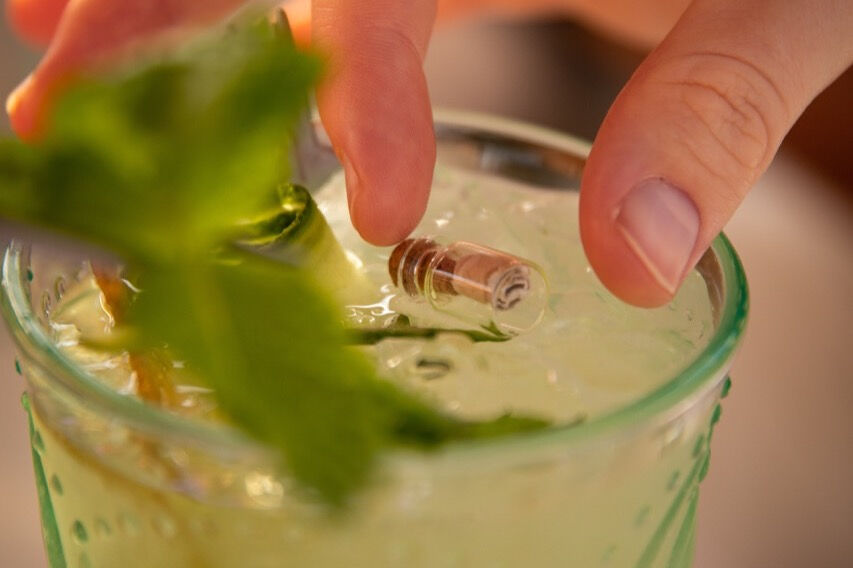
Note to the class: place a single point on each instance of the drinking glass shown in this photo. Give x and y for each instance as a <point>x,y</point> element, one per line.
<point>122,483</point>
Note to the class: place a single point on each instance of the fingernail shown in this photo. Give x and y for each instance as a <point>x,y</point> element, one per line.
<point>660,223</point>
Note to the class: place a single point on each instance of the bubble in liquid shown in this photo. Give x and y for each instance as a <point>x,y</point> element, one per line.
<point>608,555</point>
<point>264,488</point>
<point>78,531</point>
<point>431,368</point>
<point>293,534</point>
<point>56,484</point>
<point>165,526</point>
<point>241,530</point>
<point>700,445</point>
<point>552,377</point>
<point>673,434</point>
<point>642,515</point>
<point>128,525</point>
<point>46,303</point>
<point>178,457</point>
<point>416,489</point>
<point>673,480</point>
<point>102,527</point>
<point>202,526</point>
<point>38,443</point>
<point>59,287</point>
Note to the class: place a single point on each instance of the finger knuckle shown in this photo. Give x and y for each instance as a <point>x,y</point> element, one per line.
<point>397,40</point>
<point>731,108</point>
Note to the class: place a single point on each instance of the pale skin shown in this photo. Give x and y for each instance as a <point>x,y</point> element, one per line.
<point>688,136</point>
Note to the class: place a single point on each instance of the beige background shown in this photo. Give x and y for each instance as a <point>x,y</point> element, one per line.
<point>780,489</point>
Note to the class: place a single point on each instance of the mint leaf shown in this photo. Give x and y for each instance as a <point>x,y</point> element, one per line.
<point>169,156</point>
<point>277,365</point>
<point>169,164</point>
<point>280,370</point>
<point>403,328</point>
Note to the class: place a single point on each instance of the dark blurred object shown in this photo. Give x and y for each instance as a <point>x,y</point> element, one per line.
<point>823,136</point>
<point>552,73</point>
<point>562,75</point>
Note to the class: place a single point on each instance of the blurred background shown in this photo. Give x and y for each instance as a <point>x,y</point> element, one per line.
<point>780,489</point>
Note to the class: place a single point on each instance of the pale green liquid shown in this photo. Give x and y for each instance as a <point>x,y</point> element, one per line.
<point>590,354</point>
<point>127,500</point>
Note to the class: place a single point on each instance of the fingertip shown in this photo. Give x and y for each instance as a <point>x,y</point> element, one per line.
<point>388,153</point>
<point>386,210</point>
<point>35,20</point>
<point>374,103</point>
<point>23,108</point>
<point>619,268</point>
<point>660,224</point>
<point>382,222</point>
<point>639,230</point>
<point>387,148</point>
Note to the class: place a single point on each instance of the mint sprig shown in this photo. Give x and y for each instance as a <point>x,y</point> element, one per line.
<point>166,163</point>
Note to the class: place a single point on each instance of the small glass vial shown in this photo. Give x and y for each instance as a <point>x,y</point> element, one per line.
<point>487,287</point>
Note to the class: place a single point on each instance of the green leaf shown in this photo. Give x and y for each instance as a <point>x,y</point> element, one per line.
<point>170,162</point>
<point>280,369</point>
<point>167,157</point>
<point>402,327</point>
<point>278,366</point>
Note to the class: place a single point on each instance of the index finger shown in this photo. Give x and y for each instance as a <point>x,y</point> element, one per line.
<point>97,32</point>
<point>375,106</point>
<point>35,20</point>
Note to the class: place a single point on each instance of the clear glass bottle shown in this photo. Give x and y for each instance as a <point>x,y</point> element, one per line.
<point>480,285</point>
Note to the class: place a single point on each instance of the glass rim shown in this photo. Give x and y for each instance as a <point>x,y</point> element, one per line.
<point>668,399</point>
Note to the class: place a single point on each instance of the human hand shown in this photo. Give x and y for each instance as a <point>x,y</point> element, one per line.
<point>697,124</point>
<point>374,102</point>
<point>683,143</point>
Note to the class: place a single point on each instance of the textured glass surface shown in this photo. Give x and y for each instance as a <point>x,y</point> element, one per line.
<point>122,484</point>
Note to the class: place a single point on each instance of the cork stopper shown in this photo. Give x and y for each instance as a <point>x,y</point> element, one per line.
<point>410,262</point>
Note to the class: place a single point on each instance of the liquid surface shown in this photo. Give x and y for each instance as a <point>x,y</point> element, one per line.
<point>590,353</point>
<point>118,496</point>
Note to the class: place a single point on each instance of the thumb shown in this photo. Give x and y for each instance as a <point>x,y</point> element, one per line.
<point>695,127</point>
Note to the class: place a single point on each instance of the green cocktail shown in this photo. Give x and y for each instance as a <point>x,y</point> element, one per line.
<point>633,393</point>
